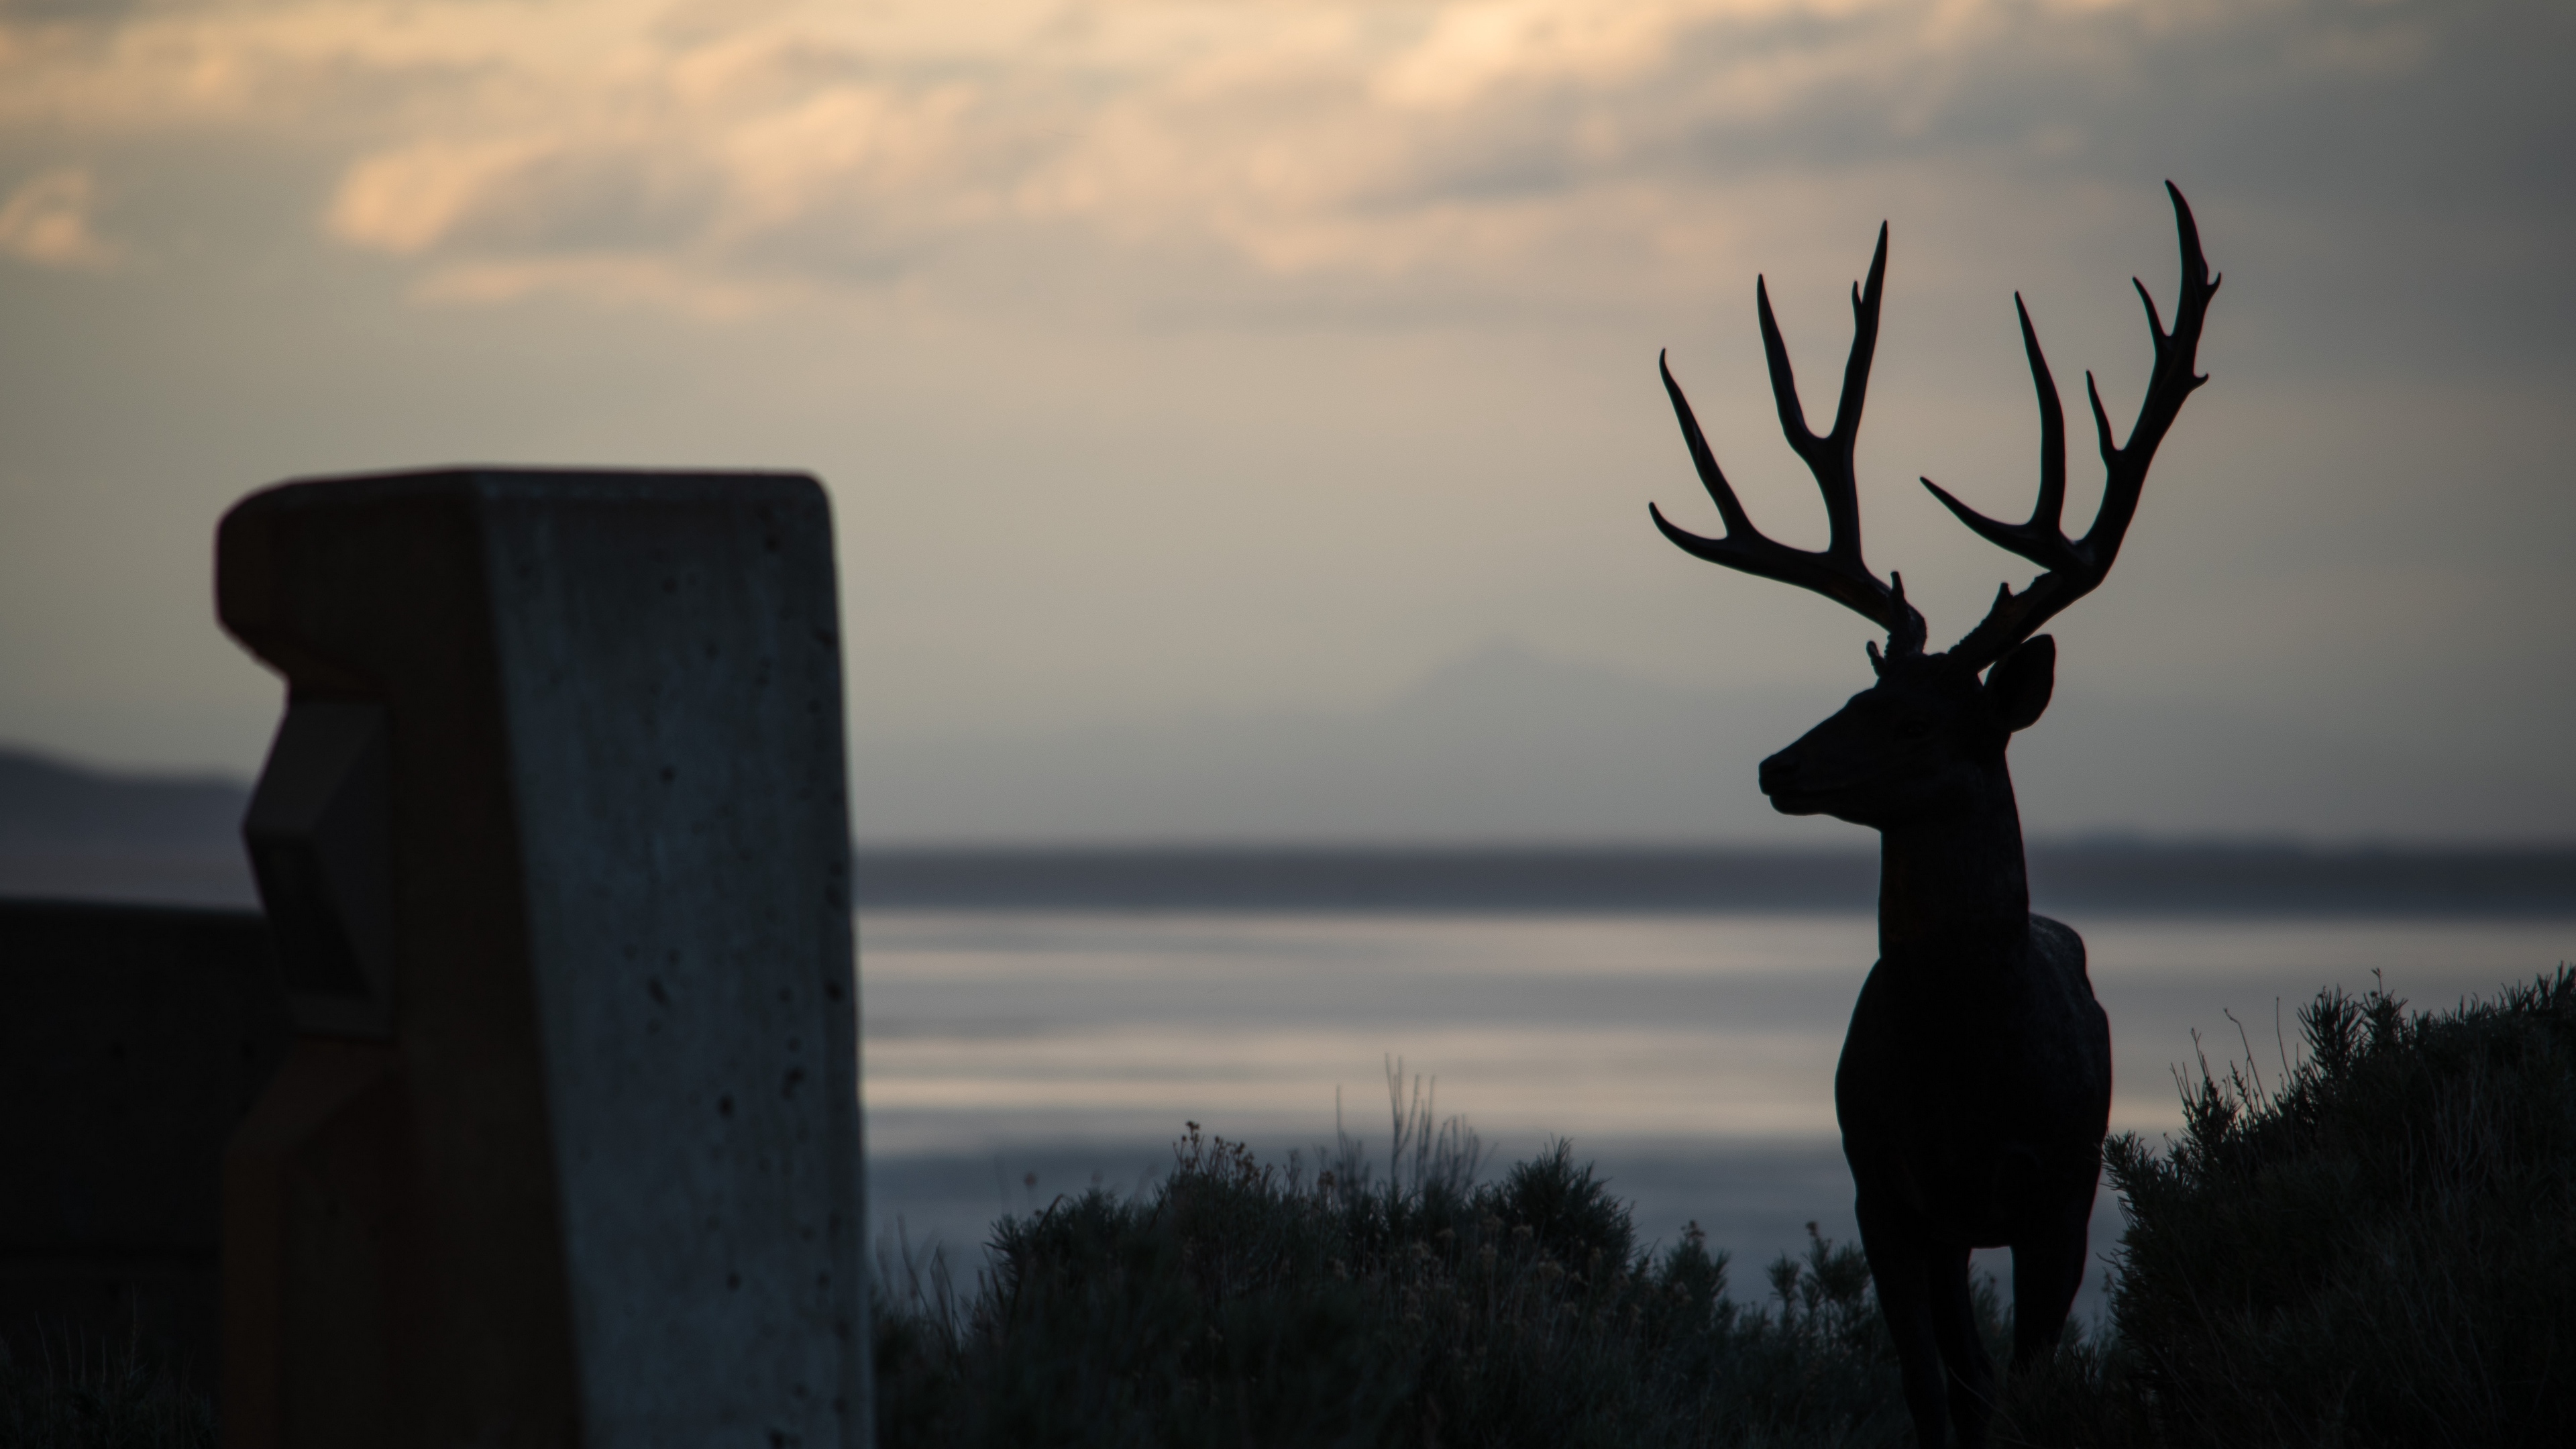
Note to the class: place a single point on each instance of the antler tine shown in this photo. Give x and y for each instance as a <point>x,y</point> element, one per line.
<point>1838,572</point>
<point>1745,548</point>
<point>2076,567</point>
<point>1829,457</point>
<point>2041,540</point>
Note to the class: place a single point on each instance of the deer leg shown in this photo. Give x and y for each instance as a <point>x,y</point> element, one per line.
<point>1954,1325</point>
<point>2047,1272</point>
<point>1902,1272</point>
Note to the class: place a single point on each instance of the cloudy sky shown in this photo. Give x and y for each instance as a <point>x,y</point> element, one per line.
<point>1235,407</point>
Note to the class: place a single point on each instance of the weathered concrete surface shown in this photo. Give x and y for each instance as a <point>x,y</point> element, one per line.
<point>601,1182</point>
<point>132,1039</point>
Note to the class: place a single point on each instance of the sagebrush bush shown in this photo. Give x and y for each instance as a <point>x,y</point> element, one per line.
<point>77,1393</point>
<point>2379,1248</point>
<point>1239,1303</point>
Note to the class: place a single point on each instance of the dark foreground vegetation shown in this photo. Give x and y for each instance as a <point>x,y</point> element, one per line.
<point>1240,1303</point>
<point>76,1393</point>
<point>2377,1246</point>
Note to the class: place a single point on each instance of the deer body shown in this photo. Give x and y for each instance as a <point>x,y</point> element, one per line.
<point>1972,1114</point>
<point>1974,1089</point>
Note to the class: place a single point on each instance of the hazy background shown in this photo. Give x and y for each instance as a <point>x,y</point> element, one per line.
<point>1240,416</point>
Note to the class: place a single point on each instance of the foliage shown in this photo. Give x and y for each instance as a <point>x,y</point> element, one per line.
<point>2380,1248</point>
<point>1240,1303</point>
<point>79,1394</point>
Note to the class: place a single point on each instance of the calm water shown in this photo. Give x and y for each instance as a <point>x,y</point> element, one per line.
<point>1691,1056</point>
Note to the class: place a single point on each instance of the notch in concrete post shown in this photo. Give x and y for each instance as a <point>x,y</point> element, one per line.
<point>317,833</point>
<point>555,841</point>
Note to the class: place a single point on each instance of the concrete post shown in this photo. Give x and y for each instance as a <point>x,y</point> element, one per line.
<point>555,844</point>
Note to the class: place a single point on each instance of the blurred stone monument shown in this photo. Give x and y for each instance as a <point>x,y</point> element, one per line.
<point>555,850</point>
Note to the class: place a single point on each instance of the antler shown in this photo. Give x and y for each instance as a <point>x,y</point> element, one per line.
<point>2075,566</point>
<point>1838,572</point>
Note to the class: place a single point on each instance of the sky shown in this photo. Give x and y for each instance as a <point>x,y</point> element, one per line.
<point>1240,417</point>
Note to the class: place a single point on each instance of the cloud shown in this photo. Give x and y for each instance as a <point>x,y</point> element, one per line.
<point>49,221</point>
<point>408,200</point>
<point>1489,143</point>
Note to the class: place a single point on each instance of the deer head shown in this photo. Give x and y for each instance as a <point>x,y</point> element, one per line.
<point>1929,736</point>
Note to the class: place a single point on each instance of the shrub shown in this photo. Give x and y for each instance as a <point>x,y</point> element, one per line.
<point>1239,1303</point>
<point>85,1394</point>
<point>2380,1248</point>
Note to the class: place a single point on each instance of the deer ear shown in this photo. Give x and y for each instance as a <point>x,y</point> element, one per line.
<point>2019,685</point>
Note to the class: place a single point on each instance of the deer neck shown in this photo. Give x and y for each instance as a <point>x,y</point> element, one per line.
<point>1957,883</point>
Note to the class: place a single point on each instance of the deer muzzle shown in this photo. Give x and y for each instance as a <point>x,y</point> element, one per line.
<point>1780,780</point>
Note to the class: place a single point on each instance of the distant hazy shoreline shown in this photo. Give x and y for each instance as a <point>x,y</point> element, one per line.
<point>2189,879</point>
<point>2076,879</point>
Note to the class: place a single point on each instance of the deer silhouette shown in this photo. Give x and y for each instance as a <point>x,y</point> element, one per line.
<point>1975,1082</point>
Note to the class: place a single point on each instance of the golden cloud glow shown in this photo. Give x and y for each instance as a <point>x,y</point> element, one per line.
<point>46,220</point>
<point>405,201</point>
<point>743,144</point>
